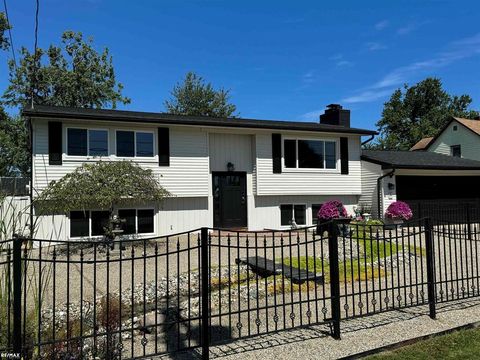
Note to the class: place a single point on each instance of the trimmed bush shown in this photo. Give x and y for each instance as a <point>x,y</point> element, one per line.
<point>399,210</point>
<point>333,209</point>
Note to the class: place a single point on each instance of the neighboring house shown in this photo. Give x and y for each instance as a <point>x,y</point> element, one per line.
<point>228,173</point>
<point>416,177</point>
<point>422,144</point>
<point>459,138</point>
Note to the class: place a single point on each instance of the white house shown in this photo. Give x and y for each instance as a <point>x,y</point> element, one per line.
<point>459,137</point>
<point>226,173</point>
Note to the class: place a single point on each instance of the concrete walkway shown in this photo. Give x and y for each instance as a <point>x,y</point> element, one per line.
<point>358,335</point>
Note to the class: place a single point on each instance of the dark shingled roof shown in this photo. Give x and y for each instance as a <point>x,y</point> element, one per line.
<point>418,160</point>
<point>162,118</point>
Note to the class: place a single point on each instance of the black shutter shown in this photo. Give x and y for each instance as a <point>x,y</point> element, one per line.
<point>344,155</point>
<point>163,147</point>
<point>54,143</point>
<point>277,153</point>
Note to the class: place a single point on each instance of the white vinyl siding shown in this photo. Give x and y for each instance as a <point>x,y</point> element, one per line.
<point>306,182</point>
<point>469,141</point>
<point>233,148</point>
<point>187,175</point>
<point>265,212</point>
<point>369,198</point>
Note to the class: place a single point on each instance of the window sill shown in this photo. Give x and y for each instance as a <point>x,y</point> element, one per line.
<point>310,171</point>
<point>127,237</point>
<point>71,158</point>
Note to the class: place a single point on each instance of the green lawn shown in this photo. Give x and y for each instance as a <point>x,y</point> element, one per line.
<point>463,344</point>
<point>356,269</point>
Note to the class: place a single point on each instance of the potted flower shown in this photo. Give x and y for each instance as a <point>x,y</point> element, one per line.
<point>398,212</point>
<point>330,210</point>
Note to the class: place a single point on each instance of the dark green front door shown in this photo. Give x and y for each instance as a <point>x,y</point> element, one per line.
<point>229,200</point>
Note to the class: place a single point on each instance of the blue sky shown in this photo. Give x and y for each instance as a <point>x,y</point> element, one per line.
<point>281,59</point>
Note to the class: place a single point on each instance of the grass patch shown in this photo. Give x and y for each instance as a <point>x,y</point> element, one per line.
<point>280,286</point>
<point>375,249</point>
<point>220,283</point>
<point>464,344</point>
<point>355,270</point>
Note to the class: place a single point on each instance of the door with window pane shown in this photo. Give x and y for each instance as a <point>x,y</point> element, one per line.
<point>230,200</point>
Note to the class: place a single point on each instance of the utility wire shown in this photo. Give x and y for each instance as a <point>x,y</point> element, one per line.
<point>34,73</point>
<point>10,34</point>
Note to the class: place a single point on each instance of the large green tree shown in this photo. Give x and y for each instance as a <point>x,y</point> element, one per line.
<point>196,97</point>
<point>418,111</point>
<point>72,74</point>
<point>4,27</point>
<point>14,156</point>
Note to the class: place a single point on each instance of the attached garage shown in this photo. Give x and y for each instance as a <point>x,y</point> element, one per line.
<point>418,187</point>
<point>429,182</point>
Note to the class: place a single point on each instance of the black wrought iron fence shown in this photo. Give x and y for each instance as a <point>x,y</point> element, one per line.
<point>460,211</point>
<point>145,297</point>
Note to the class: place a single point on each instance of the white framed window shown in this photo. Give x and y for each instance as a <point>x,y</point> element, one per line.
<point>310,154</point>
<point>87,142</point>
<point>91,223</point>
<point>138,221</point>
<point>132,143</point>
<point>88,223</point>
<point>290,213</point>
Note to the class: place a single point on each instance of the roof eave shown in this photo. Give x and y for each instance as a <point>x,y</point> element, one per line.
<point>388,166</point>
<point>158,120</point>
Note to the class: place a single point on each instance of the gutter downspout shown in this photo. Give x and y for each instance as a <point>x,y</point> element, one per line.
<point>379,190</point>
<point>368,140</point>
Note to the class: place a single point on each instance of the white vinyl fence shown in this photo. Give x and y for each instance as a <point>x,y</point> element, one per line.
<point>14,216</point>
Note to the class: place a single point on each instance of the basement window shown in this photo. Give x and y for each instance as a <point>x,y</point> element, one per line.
<point>79,223</point>
<point>291,212</point>
<point>315,210</point>
<point>139,221</point>
<point>88,223</point>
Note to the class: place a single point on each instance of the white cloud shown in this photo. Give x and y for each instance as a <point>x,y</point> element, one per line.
<point>367,96</point>
<point>340,61</point>
<point>410,27</point>
<point>455,51</point>
<point>311,115</point>
<point>374,46</point>
<point>336,57</point>
<point>381,25</point>
<point>308,77</point>
<point>404,30</point>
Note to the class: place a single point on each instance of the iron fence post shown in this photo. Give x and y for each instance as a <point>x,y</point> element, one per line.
<point>205,295</point>
<point>17,294</point>
<point>334,276</point>
<point>430,268</point>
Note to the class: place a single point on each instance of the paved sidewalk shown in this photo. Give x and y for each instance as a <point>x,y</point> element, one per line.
<point>358,335</point>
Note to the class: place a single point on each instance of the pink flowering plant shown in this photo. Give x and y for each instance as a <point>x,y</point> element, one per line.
<point>399,210</point>
<point>333,209</point>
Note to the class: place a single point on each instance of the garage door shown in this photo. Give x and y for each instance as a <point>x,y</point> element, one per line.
<point>444,198</point>
<point>437,187</point>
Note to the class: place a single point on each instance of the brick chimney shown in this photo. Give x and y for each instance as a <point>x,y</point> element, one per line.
<point>335,115</point>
